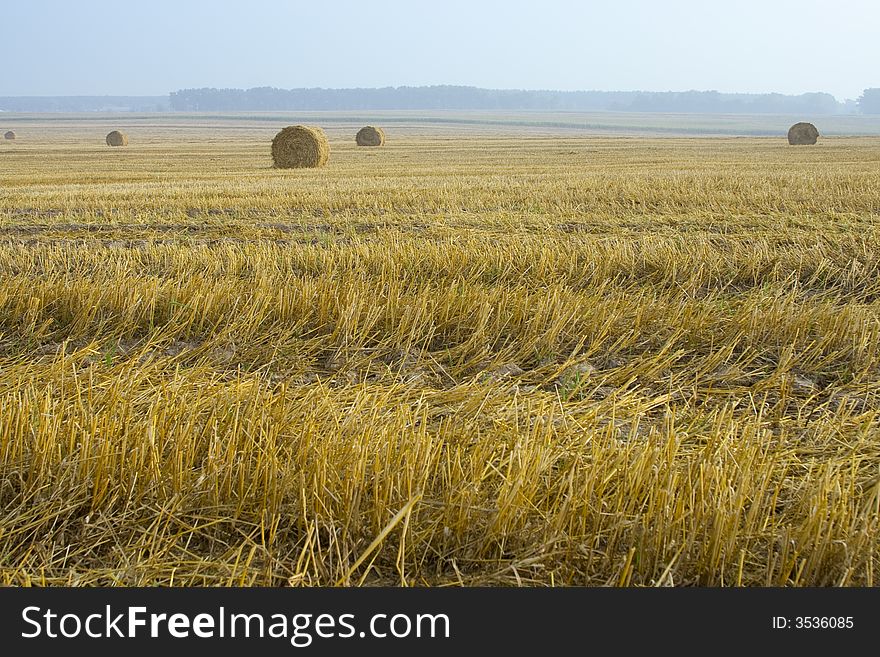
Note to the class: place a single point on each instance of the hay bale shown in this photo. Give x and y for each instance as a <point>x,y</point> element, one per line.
<point>9,135</point>
<point>300,146</point>
<point>370,136</point>
<point>117,138</point>
<point>801,134</point>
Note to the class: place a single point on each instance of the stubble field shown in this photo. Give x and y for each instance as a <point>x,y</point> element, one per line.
<point>476,359</point>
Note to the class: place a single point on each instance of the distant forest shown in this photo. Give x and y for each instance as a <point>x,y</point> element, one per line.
<point>447,97</point>
<point>473,98</point>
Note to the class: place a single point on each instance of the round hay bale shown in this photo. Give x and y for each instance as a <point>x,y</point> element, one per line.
<point>802,134</point>
<point>370,136</point>
<point>117,138</point>
<point>299,147</point>
<point>9,135</point>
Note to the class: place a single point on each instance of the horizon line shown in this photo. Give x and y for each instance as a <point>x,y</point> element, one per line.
<point>430,86</point>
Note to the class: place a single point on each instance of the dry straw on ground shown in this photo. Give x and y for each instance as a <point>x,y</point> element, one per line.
<point>475,365</point>
<point>299,146</point>
<point>9,135</point>
<point>801,134</point>
<point>370,136</point>
<point>117,138</point>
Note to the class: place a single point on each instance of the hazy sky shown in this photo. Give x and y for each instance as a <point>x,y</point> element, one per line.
<point>151,47</point>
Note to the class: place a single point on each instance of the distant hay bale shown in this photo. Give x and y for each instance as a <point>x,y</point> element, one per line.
<point>370,136</point>
<point>9,135</point>
<point>117,138</point>
<point>801,134</point>
<point>299,147</point>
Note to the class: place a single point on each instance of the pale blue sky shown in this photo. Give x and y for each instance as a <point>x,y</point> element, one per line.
<point>150,47</point>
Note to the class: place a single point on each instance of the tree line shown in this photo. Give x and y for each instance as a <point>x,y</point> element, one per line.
<point>869,101</point>
<point>446,97</point>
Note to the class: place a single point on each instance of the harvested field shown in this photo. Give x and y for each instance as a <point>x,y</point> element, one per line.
<point>476,360</point>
